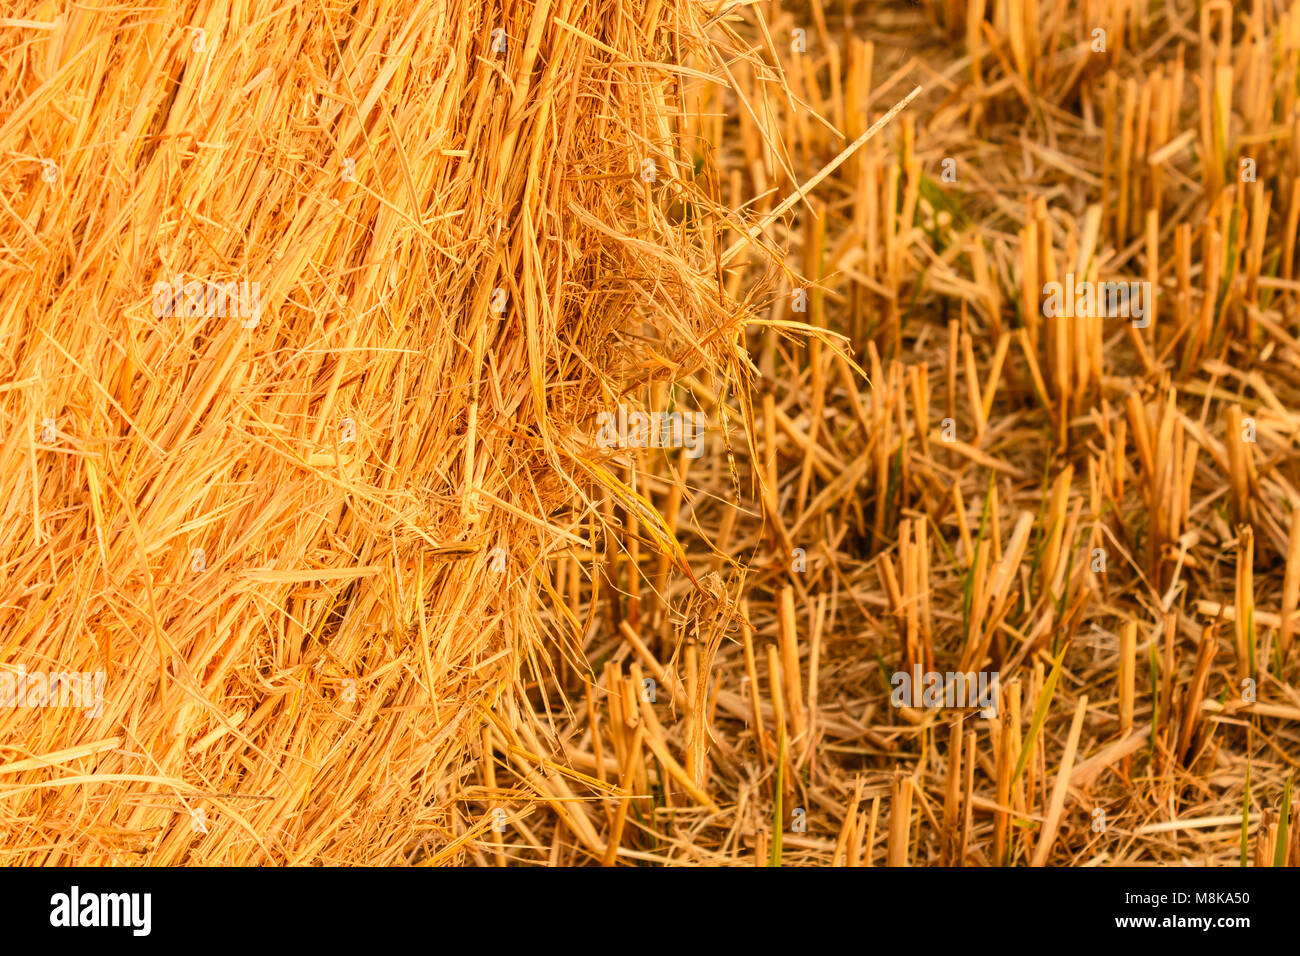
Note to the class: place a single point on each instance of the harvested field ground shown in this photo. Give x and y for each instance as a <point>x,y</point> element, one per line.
<point>1099,509</point>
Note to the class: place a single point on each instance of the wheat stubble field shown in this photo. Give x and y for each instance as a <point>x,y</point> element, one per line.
<point>650,432</point>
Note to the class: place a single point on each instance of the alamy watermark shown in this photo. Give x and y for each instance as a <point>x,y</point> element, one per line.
<point>652,430</point>
<point>75,908</point>
<point>933,689</point>
<point>1088,299</point>
<point>194,298</point>
<point>78,689</point>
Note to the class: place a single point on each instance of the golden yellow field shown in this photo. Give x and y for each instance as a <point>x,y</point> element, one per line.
<point>650,432</point>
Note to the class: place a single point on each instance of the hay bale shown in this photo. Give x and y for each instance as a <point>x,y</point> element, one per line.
<point>307,312</point>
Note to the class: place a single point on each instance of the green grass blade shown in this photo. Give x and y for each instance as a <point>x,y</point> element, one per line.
<point>1040,714</point>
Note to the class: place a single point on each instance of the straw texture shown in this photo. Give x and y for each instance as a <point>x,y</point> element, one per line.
<point>299,539</point>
